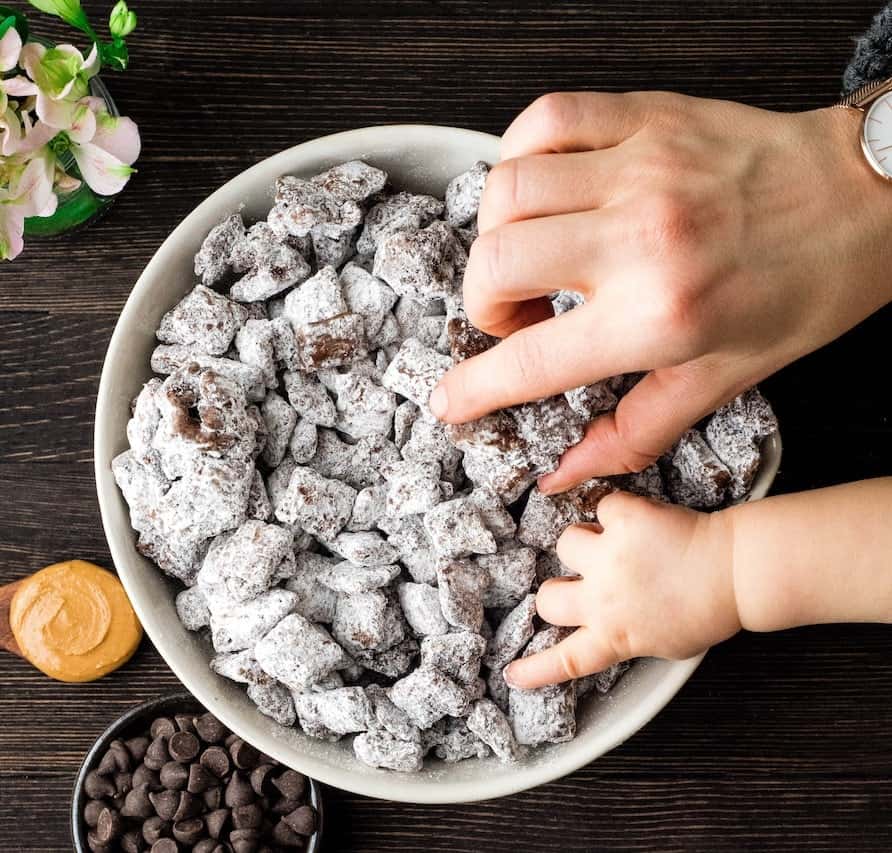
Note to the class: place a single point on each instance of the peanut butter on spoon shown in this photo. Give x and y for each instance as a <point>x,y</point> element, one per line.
<point>72,621</point>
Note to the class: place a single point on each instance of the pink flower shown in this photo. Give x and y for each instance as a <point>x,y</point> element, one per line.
<point>105,156</point>
<point>10,48</point>
<point>30,193</point>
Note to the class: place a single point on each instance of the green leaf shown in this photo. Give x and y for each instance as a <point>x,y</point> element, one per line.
<point>20,22</point>
<point>114,55</point>
<point>69,11</point>
<point>121,21</point>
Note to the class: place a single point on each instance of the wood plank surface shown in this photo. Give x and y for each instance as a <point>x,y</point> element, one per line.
<point>778,743</point>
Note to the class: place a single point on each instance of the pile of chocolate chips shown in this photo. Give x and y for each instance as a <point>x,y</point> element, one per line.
<point>188,783</point>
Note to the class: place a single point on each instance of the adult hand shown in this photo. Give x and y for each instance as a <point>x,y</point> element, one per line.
<point>713,243</point>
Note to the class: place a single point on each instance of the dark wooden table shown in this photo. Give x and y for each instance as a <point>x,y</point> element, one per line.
<point>778,743</point>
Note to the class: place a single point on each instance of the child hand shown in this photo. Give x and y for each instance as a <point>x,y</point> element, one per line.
<point>713,242</point>
<point>657,581</point>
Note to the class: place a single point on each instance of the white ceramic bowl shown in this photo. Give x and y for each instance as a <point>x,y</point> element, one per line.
<point>420,158</point>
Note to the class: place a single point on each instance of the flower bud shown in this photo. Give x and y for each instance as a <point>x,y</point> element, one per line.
<point>122,21</point>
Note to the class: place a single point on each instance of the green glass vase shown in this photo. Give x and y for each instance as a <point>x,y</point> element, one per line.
<point>82,206</point>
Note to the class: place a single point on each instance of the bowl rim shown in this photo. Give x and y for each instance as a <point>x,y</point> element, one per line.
<point>160,705</point>
<point>393,786</point>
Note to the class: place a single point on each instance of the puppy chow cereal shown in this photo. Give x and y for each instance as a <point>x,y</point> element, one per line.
<point>365,571</point>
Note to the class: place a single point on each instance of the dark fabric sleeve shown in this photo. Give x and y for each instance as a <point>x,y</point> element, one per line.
<point>873,53</point>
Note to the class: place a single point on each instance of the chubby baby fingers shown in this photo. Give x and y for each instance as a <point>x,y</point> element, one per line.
<point>560,602</point>
<point>582,653</point>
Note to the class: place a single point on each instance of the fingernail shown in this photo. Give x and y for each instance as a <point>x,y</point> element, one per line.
<point>439,401</point>
<point>506,674</point>
<point>546,486</point>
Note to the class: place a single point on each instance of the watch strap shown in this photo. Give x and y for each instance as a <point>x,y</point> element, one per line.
<point>866,94</point>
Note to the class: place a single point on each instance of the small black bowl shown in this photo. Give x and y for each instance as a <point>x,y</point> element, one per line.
<point>134,722</point>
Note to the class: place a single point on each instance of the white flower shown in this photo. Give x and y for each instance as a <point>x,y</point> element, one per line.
<point>61,74</point>
<point>10,48</point>
<point>30,193</point>
<point>105,155</point>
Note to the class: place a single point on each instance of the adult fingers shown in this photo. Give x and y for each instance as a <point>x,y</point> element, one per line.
<point>538,361</point>
<point>582,653</point>
<point>558,601</point>
<point>547,185</point>
<point>648,420</point>
<point>574,121</point>
<point>523,261</point>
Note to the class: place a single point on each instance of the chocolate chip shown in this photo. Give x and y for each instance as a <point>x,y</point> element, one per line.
<point>145,776</point>
<point>164,845</point>
<point>184,722</point>
<point>117,801</point>
<point>216,822</point>
<point>155,828</point>
<point>166,803</point>
<point>244,756</point>
<point>162,727</point>
<point>133,842</point>
<point>244,840</point>
<point>91,812</point>
<point>216,759</point>
<point>157,755</point>
<point>174,776</point>
<point>122,756</point>
<point>98,786</point>
<point>96,845</point>
<point>108,765</point>
<point>213,797</point>
<point>247,817</point>
<point>109,826</point>
<point>189,806</point>
<point>137,803</point>
<point>209,845</point>
<point>261,781</point>
<point>137,747</point>
<point>199,779</point>
<point>188,831</point>
<point>238,791</point>
<point>123,783</point>
<point>230,739</point>
<point>183,747</point>
<point>291,784</point>
<point>285,836</point>
<point>286,805</point>
<point>209,728</point>
<point>302,820</point>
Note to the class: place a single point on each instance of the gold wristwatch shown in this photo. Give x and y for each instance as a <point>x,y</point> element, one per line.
<point>874,100</point>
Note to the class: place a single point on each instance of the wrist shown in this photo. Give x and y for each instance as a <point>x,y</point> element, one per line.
<point>718,537</point>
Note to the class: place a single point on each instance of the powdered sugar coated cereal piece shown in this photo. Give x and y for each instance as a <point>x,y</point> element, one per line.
<point>513,573</point>
<point>212,260</point>
<point>697,477</point>
<point>174,357</point>
<point>416,550</point>
<point>401,212</point>
<point>332,251</point>
<point>241,625</point>
<point>548,427</point>
<point>367,621</point>
<point>241,667</point>
<point>588,401</point>
<point>492,727</point>
<point>364,407</point>
<point>497,519</point>
<point>348,578</point>
<point>315,601</point>
<point>429,443</point>
<point>736,432</point>
<point>259,505</point>
<point>465,340</point>
<point>271,265</point>
<point>368,507</point>
<point>277,482</point>
<point>192,608</point>
<point>647,483</point>
<point>143,424</point>
<point>457,655</point>
<point>364,549</point>
<point>463,194</point>
<point>318,298</point>
<point>304,441</point>
<point>421,264</point>
<point>392,719</point>
<point>273,700</point>
<point>412,488</point>
<point>367,295</point>
<point>421,607</point>
<point>427,695</point>
<point>462,586</point>
<point>204,320</point>
<point>255,343</point>
<point>373,459</point>
<point>298,653</point>
<point>405,415</point>
<point>320,506</point>
<point>547,516</point>
<point>415,371</point>
<point>512,635</point>
<point>332,343</point>
<point>456,529</point>
<point>344,710</point>
<point>309,398</point>
<point>391,663</point>
<point>333,457</point>
<point>381,749</point>
<point>458,743</point>
<point>280,419</point>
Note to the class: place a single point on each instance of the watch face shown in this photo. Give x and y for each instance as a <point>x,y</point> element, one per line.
<point>877,136</point>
